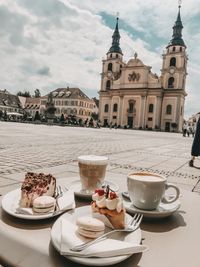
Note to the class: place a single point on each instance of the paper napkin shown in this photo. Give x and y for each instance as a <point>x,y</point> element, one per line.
<point>106,248</point>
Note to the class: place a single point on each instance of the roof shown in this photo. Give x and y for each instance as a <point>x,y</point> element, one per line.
<point>7,99</point>
<point>68,92</point>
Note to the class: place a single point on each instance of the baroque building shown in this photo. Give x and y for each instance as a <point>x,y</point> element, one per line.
<point>70,102</point>
<point>132,95</point>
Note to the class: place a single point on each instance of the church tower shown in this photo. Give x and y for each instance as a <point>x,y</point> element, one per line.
<point>173,76</point>
<point>111,72</point>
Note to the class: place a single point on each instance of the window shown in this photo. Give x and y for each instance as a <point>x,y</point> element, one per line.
<point>171,82</point>
<point>117,55</point>
<point>110,55</point>
<point>173,61</point>
<point>114,117</point>
<point>106,108</point>
<point>108,85</point>
<point>151,108</point>
<point>150,119</point>
<point>174,48</point>
<point>169,109</point>
<point>131,107</point>
<point>181,49</point>
<point>110,66</point>
<point>115,108</point>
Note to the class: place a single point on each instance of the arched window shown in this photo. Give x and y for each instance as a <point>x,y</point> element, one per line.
<point>117,55</point>
<point>110,55</point>
<point>131,105</point>
<point>110,66</point>
<point>108,85</point>
<point>174,48</point>
<point>173,61</point>
<point>171,82</point>
<point>181,49</point>
<point>115,108</point>
<point>151,108</point>
<point>169,109</point>
<point>106,108</point>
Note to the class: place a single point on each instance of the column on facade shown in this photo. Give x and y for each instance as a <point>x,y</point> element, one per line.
<point>119,113</point>
<point>143,111</point>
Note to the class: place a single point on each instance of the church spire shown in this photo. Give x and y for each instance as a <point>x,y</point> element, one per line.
<point>115,48</point>
<point>177,31</point>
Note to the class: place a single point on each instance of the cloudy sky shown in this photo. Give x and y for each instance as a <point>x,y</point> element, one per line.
<point>47,44</point>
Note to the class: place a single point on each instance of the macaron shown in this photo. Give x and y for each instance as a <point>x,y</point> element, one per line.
<point>90,227</point>
<point>44,204</point>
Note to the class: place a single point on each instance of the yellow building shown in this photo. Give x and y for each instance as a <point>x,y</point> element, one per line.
<point>132,95</point>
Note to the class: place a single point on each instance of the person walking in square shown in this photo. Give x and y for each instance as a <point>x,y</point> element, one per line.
<point>195,151</point>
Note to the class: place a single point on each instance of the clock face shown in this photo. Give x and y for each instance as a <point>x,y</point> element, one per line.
<point>172,70</point>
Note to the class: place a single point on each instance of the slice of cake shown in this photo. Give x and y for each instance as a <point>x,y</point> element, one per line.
<point>35,185</point>
<point>108,203</point>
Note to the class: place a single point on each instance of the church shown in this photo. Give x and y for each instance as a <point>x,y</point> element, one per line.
<point>134,97</point>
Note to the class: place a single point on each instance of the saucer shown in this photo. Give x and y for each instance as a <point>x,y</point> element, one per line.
<point>162,211</point>
<point>76,187</point>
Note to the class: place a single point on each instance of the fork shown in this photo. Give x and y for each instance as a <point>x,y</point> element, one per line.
<point>132,225</point>
<point>60,192</point>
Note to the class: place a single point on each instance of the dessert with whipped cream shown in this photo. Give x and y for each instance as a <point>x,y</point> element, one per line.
<point>108,203</point>
<point>36,185</point>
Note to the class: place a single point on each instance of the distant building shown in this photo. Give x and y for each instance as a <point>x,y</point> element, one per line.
<point>10,103</point>
<point>32,105</point>
<point>131,95</point>
<point>70,101</point>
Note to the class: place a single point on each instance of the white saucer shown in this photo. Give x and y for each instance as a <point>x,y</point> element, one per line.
<point>162,211</point>
<point>10,204</point>
<point>133,237</point>
<point>76,187</point>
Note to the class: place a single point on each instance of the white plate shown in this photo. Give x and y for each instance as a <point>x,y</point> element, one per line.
<point>162,211</point>
<point>72,216</point>
<point>10,203</point>
<point>76,187</point>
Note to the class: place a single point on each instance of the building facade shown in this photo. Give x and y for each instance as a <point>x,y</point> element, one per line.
<point>131,95</point>
<point>10,103</point>
<point>70,101</point>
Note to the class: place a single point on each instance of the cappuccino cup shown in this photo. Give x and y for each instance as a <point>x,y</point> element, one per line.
<point>92,170</point>
<point>147,190</point>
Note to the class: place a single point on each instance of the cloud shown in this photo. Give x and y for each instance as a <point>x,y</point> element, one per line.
<point>52,43</point>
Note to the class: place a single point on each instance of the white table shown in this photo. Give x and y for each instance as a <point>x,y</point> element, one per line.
<point>173,241</point>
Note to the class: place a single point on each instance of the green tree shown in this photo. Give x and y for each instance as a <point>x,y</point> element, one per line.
<point>37,116</point>
<point>37,93</point>
<point>50,108</point>
<point>62,118</point>
<point>24,94</point>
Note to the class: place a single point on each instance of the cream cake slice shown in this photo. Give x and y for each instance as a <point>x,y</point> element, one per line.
<point>35,185</point>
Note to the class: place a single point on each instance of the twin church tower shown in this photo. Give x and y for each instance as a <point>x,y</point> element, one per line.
<point>132,95</point>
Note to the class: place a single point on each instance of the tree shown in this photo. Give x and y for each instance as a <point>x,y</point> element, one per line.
<point>24,94</point>
<point>95,116</point>
<point>50,108</point>
<point>1,113</point>
<point>37,116</point>
<point>37,93</point>
<point>62,118</point>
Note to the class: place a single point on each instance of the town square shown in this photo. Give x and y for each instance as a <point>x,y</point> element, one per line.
<point>99,133</point>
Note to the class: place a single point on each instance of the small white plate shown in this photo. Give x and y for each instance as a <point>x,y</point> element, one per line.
<point>162,211</point>
<point>76,187</point>
<point>72,216</point>
<point>10,204</point>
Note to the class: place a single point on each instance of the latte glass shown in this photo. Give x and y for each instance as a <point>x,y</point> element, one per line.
<point>147,190</point>
<point>92,170</point>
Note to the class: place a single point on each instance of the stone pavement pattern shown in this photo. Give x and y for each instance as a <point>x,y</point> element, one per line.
<point>54,149</point>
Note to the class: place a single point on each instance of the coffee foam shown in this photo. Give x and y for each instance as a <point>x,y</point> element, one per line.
<point>146,177</point>
<point>93,160</point>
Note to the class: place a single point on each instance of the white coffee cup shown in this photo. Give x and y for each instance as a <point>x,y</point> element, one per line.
<point>147,190</point>
<point>92,170</point>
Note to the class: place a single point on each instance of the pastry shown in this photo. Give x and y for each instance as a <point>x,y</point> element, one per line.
<point>108,203</point>
<point>90,227</point>
<point>44,204</point>
<point>35,185</point>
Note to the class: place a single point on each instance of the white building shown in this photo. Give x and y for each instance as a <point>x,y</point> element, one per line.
<point>132,95</point>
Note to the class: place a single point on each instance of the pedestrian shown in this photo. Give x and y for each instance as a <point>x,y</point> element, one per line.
<point>184,128</point>
<point>195,151</point>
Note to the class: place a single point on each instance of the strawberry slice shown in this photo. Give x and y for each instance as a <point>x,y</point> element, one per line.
<point>113,195</point>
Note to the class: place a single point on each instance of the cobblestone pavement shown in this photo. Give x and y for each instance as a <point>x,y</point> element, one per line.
<point>28,147</point>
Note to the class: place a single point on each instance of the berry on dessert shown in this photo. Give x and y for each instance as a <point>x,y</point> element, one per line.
<point>35,185</point>
<point>108,203</point>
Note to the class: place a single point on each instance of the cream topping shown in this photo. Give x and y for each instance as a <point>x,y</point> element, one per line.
<point>111,204</point>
